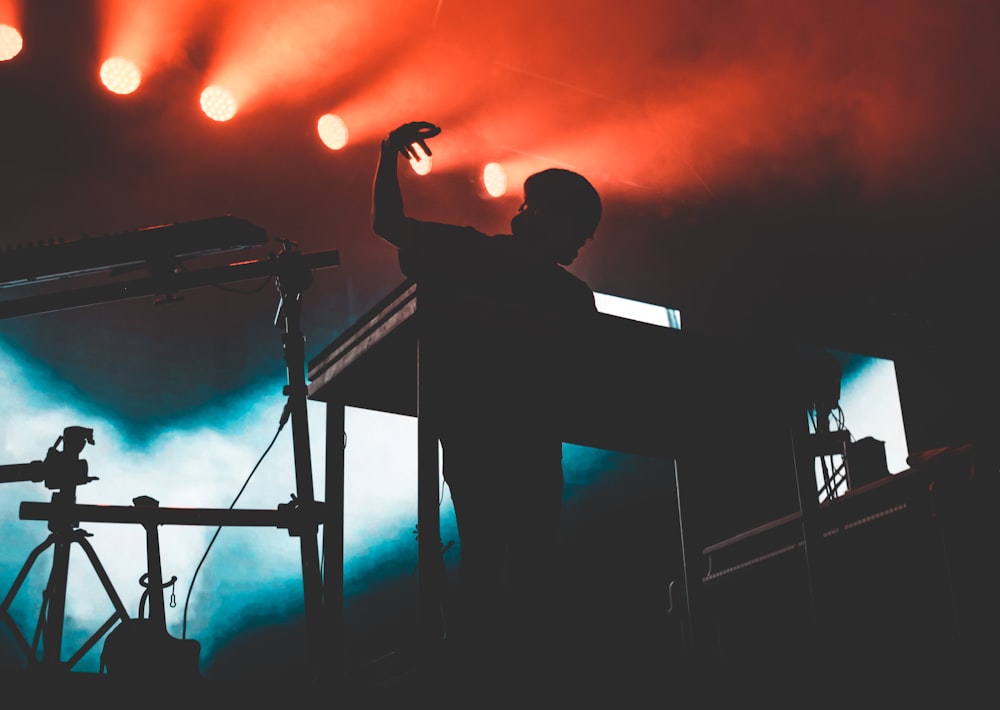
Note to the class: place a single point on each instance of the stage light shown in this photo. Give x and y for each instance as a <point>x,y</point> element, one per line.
<point>10,42</point>
<point>218,103</point>
<point>637,310</point>
<point>495,179</point>
<point>120,76</point>
<point>332,131</point>
<point>423,165</point>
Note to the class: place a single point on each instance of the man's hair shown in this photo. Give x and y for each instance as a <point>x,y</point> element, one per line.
<point>566,192</point>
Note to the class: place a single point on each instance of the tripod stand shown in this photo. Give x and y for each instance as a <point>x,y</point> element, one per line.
<point>62,471</point>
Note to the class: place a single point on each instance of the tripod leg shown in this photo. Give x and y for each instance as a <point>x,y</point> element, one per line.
<point>15,588</point>
<point>22,642</point>
<point>105,580</point>
<point>23,574</point>
<point>121,614</point>
<point>49,621</point>
<point>53,632</point>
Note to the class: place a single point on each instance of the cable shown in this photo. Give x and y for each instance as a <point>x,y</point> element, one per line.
<point>245,292</point>
<point>211,542</point>
<point>231,289</point>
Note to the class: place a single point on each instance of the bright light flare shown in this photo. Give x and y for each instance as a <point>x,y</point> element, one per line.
<point>421,162</point>
<point>495,179</point>
<point>218,103</point>
<point>637,310</point>
<point>10,42</point>
<point>120,76</point>
<point>332,131</point>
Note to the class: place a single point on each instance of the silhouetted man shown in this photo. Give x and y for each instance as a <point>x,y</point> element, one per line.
<point>502,328</point>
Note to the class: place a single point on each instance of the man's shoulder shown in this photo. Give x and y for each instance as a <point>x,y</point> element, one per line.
<point>438,247</point>
<point>576,285</point>
<point>442,230</point>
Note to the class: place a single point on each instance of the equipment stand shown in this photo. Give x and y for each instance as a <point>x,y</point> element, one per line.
<point>293,278</point>
<point>63,471</point>
<point>52,614</point>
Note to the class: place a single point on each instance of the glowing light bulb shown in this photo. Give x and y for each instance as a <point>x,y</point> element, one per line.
<point>332,131</point>
<point>218,103</point>
<point>120,76</point>
<point>495,179</point>
<point>10,42</point>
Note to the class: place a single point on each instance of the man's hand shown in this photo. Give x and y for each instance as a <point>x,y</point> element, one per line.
<point>388,217</point>
<point>405,138</point>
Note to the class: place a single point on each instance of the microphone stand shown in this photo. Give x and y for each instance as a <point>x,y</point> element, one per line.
<point>294,277</point>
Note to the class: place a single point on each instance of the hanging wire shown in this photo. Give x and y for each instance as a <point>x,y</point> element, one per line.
<point>281,425</point>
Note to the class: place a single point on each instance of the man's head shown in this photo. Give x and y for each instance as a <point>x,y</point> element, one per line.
<point>561,209</point>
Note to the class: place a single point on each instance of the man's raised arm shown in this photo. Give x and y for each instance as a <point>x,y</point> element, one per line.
<point>388,216</point>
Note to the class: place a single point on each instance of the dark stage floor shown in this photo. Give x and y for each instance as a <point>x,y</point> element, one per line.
<point>620,678</point>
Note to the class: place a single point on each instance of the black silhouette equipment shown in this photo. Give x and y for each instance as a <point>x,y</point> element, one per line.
<point>62,471</point>
<point>141,647</point>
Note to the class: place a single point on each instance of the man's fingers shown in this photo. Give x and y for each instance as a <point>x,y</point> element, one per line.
<point>412,134</point>
<point>428,130</point>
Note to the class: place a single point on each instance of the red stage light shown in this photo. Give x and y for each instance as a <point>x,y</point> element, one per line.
<point>120,76</point>
<point>495,179</point>
<point>332,131</point>
<point>218,103</point>
<point>424,164</point>
<point>10,42</point>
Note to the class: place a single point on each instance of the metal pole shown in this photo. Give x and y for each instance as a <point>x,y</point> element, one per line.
<point>333,531</point>
<point>292,281</point>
